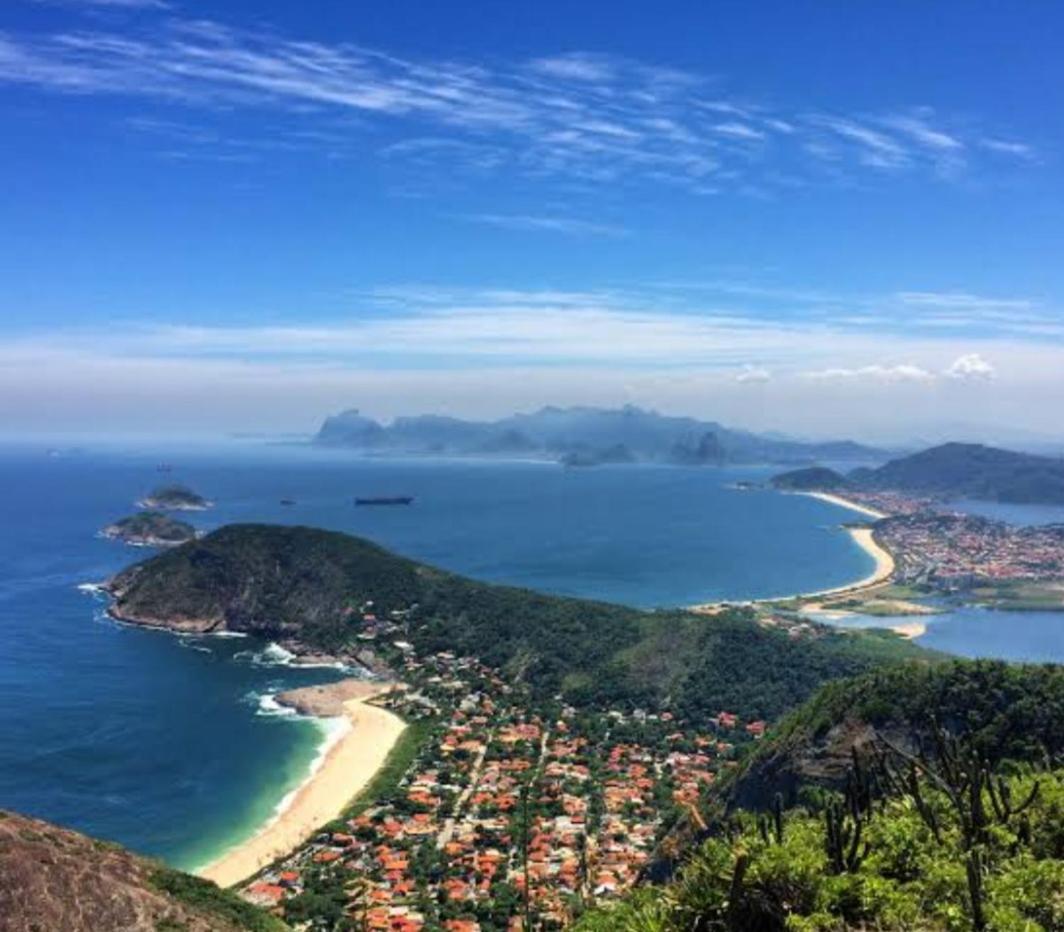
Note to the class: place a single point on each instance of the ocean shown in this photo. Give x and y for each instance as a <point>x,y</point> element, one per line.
<point>173,746</point>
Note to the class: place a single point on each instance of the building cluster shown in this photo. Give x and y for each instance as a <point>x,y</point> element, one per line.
<point>508,815</point>
<point>891,503</point>
<point>957,549</point>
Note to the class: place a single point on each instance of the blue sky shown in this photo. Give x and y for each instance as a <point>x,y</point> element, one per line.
<point>827,218</point>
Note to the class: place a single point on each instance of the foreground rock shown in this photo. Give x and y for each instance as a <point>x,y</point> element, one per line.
<point>150,529</point>
<point>56,879</point>
<point>329,699</point>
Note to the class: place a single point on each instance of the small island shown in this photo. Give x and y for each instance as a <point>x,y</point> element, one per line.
<point>150,529</point>
<point>174,498</point>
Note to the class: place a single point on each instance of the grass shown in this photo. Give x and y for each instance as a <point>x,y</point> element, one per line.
<point>206,897</point>
<point>386,780</point>
<point>1020,595</point>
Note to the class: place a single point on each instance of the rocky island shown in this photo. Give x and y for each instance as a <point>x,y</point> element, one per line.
<point>174,498</point>
<point>150,529</point>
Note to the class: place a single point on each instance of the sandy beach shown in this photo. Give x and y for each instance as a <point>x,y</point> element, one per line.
<point>368,735</point>
<point>864,537</point>
<point>846,503</point>
<point>884,568</point>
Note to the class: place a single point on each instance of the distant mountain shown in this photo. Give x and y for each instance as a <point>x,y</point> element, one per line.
<point>971,470</point>
<point>56,879</point>
<point>585,436</point>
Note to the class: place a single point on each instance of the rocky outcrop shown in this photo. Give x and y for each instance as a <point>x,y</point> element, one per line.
<point>56,879</point>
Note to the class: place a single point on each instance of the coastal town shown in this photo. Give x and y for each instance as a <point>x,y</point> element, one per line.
<point>507,817</point>
<point>936,546</point>
<point>513,815</point>
<point>950,550</point>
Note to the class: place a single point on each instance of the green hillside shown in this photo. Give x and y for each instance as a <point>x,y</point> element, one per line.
<point>971,470</point>
<point>310,585</point>
<point>920,798</point>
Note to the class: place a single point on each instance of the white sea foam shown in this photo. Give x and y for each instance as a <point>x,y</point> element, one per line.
<point>269,707</point>
<point>333,731</point>
<point>273,655</point>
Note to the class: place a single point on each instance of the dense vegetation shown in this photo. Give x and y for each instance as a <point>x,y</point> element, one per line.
<point>1005,711</point>
<point>206,897</point>
<point>310,585</point>
<point>928,798</point>
<point>970,470</point>
<point>904,875</point>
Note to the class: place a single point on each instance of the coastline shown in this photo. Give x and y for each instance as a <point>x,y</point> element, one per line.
<point>351,759</point>
<point>833,499</point>
<point>864,537</point>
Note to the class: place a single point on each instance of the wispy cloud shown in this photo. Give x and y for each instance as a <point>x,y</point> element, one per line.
<point>899,372</point>
<point>115,4</point>
<point>568,225</point>
<point>595,118</point>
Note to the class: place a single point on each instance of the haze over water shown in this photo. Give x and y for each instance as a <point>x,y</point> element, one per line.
<point>162,742</point>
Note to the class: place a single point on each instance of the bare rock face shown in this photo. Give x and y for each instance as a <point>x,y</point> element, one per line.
<point>54,879</point>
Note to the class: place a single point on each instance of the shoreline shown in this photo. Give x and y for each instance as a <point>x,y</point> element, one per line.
<point>864,537</point>
<point>350,760</point>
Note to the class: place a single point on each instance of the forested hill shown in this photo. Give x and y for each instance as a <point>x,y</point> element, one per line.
<point>312,586</point>
<point>970,470</point>
<point>1006,712</point>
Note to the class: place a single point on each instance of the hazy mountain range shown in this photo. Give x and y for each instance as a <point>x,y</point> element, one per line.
<point>583,436</point>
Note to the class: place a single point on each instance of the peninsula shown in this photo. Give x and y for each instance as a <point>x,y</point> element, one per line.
<point>328,592</point>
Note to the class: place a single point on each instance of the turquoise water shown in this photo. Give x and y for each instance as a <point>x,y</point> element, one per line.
<point>163,743</point>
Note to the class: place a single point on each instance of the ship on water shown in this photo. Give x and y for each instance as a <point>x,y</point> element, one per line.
<point>386,500</point>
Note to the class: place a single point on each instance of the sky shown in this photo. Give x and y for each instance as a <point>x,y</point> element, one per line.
<point>828,219</point>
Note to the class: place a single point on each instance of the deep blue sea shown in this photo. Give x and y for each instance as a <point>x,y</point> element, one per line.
<point>171,746</point>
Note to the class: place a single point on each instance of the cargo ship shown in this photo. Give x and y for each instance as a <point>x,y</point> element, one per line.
<point>386,500</point>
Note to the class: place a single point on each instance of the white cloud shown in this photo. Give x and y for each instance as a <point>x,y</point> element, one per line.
<point>753,375</point>
<point>903,372</point>
<point>971,367</point>
<point>576,66</point>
